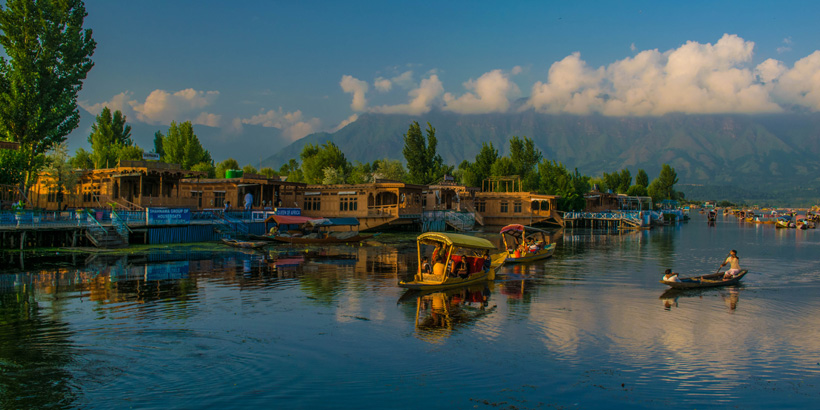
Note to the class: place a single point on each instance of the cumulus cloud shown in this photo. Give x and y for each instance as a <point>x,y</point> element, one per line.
<point>404,80</point>
<point>786,47</point>
<point>346,122</point>
<point>208,119</point>
<point>162,107</point>
<point>421,99</point>
<point>356,87</point>
<point>382,84</point>
<point>694,78</point>
<point>489,93</point>
<point>119,102</point>
<point>292,124</point>
<point>800,85</point>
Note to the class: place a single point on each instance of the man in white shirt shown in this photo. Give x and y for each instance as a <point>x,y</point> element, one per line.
<point>248,201</point>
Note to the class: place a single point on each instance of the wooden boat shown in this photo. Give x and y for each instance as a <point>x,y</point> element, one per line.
<point>314,230</point>
<point>452,246</point>
<point>804,222</point>
<point>784,222</point>
<point>705,281</point>
<point>526,244</point>
<point>244,244</point>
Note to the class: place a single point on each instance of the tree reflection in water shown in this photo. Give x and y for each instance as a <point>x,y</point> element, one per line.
<point>35,351</point>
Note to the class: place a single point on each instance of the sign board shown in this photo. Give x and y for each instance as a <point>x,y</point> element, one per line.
<point>150,155</point>
<point>289,211</point>
<point>167,216</point>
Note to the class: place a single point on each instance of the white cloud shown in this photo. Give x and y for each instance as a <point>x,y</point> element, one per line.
<point>346,122</point>
<point>800,85</point>
<point>119,102</point>
<point>404,80</point>
<point>517,70</point>
<point>292,124</point>
<point>356,87</point>
<point>422,99</point>
<point>694,78</point>
<point>382,84</point>
<point>209,119</point>
<point>786,47</point>
<point>162,107</point>
<point>490,93</point>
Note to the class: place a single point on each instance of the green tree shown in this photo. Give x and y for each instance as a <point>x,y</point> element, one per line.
<point>504,166</point>
<point>207,168</point>
<point>474,174</point>
<point>637,190</point>
<point>158,138</point>
<point>391,169</point>
<point>333,176</point>
<point>249,169</point>
<point>81,160</point>
<point>182,146</point>
<point>360,173</point>
<point>12,167</point>
<point>663,187</point>
<point>110,136</point>
<point>642,179</point>
<point>424,165</point>
<point>316,158</point>
<point>626,181</point>
<point>225,165</point>
<point>61,175</point>
<point>47,55</point>
<point>292,171</point>
<point>525,157</point>
<point>268,172</point>
<point>556,179</point>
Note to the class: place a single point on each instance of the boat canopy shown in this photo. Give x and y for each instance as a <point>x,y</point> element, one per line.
<point>288,220</point>
<point>464,241</point>
<point>518,230</point>
<point>335,222</point>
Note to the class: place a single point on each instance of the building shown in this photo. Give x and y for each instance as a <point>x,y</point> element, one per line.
<point>266,193</point>
<point>131,185</point>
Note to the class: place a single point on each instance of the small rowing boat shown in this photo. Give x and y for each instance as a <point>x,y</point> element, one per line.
<point>705,281</point>
<point>244,244</point>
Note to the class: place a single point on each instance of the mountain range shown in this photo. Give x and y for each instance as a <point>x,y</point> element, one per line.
<point>735,157</point>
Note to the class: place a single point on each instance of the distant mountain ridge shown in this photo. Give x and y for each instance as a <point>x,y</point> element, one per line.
<point>756,151</point>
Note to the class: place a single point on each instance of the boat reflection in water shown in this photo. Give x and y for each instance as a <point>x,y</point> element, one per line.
<point>439,314</point>
<point>730,296</point>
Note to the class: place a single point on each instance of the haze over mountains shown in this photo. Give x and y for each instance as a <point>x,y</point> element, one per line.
<point>730,156</point>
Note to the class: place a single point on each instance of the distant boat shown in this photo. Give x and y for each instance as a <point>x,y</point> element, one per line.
<point>705,281</point>
<point>244,244</point>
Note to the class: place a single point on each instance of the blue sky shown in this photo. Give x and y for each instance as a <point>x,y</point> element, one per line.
<point>311,66</point>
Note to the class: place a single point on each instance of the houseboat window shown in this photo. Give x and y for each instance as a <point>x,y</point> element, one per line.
<point>424,201</point>
<point>480,206</point>
<point>534,205</point>
<point>312,203</point>
<point>504,207</point>
<point>545,205</point>
<point>348,204</point>
<point>219,199</point>
<point>517,207</point>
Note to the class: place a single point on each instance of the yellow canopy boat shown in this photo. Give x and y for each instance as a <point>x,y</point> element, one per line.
<point>526,244</point>
<point>458,260</point>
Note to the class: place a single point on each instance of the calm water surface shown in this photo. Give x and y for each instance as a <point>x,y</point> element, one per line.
<point>299,327</point>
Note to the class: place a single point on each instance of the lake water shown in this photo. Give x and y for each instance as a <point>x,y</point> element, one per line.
<point>302,327</point>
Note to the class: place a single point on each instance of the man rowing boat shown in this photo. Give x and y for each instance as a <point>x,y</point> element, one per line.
<point>734,265</point>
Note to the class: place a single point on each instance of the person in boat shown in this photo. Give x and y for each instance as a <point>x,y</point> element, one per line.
<point>460,269</point>
<point>425,266</point>
<point>670,276</point>
<point>734,265</point>
<point>487,261</point>
<point>439,267</point>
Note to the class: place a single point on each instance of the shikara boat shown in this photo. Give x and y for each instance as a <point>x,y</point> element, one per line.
<point>804,222</point>
<point>244,244</point>
<point>784,222</point>
<point>314,230</point>
<point>451,247</point>
<point>705,281</point>
<point>526,244</point>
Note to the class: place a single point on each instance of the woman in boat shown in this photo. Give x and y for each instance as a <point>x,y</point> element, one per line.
<point>734,265</point>
<point>460,269</point>
<point>670,276</point>
<point>425,266</point>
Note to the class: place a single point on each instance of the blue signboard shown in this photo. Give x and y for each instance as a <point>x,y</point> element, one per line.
<point>289,211</point>
<point>167,216</point>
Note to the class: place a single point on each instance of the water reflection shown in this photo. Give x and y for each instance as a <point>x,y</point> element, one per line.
<point>439,314</point>
<point>730,296</point>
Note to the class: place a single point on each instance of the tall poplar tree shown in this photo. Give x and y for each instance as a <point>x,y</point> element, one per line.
<point>424,165</point>
<point>47,57</point>
<point>181,146</point>
<point>109,139</point>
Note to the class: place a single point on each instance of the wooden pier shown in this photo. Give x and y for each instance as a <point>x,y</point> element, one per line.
<point>607,220</point>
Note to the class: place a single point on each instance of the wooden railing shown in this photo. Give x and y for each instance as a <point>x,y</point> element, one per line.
<point>469,208</point>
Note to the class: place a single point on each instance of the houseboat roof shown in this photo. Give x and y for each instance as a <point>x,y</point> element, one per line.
<point>464,241</point>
